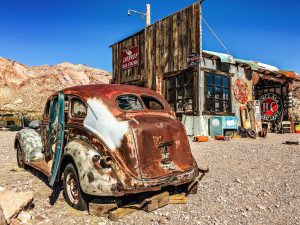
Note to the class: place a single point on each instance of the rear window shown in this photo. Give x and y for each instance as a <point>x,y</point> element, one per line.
<point>152,103</point>
<point>129,102</point>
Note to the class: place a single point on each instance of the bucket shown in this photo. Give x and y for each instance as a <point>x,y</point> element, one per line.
<point>297,129</point>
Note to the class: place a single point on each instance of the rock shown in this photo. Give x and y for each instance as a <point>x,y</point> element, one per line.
<point>237,180</point>
<point>2,189</point>
<point>14,202</point>
<point>2,217</point>
<point>261,207</point>
<point>24,217</point>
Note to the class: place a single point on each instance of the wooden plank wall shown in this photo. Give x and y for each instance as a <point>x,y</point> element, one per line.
<point>132,74</point>
<point>167,45</point>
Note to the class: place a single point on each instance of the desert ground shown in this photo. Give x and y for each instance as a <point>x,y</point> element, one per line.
<point>250,182</point>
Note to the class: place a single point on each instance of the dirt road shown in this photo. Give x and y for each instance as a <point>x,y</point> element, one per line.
<point>250,182</point>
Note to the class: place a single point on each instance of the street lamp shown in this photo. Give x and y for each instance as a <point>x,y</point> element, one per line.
<point>147,14</point>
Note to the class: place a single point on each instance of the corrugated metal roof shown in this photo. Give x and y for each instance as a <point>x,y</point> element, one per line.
<point>262,66</point>
<point>222,56</point>
<point>256,66</point>
<point>290,74</point>
<point>253,65</point>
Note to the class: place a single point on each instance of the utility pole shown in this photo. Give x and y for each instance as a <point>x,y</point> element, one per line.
<point>147,14</point>
<point>199,83</point>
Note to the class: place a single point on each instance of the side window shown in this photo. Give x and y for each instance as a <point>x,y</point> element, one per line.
<point>152,103</point>
<point>78,108</point>
<point>47,109</point>
<point>129,102</point>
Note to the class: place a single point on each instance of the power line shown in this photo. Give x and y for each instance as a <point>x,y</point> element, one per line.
<point>215,35</point>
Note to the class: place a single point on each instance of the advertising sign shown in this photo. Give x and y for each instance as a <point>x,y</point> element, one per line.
<point>130,57</point>
<point>241,91</point>
<point>271,106</point>
<point>193,59</point>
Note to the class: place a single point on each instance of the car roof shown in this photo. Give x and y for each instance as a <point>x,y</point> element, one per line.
<point>108,90</point>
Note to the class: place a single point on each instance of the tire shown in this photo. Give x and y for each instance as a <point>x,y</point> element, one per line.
<point>20,157</point>
<point>72,190</point>
<point>251,133</point>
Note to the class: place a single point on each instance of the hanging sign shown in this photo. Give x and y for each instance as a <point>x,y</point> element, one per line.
<point>271,106</point>
<point>193,59</point>
<point>130,57</point>
<point>241,91</point>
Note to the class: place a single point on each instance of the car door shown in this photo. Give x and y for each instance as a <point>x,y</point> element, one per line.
<point>56,133</point>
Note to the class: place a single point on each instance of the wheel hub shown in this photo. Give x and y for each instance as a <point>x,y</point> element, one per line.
<point>72,188</point>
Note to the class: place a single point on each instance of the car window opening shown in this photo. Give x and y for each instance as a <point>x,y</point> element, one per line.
<point>152,103</point>
<point>129,102</point>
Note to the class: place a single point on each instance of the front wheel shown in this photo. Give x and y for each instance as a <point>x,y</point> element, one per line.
<point>72,192</point>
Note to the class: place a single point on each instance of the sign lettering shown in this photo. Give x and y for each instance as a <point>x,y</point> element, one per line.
<point>130,58</point>
<point>271,106</point>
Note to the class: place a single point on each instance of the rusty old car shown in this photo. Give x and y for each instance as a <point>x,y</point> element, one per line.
<point>108,140</point>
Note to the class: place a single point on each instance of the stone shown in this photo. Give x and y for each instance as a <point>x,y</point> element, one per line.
<point>13,203</point>
<point>2,217</point>
<point>24,217</point>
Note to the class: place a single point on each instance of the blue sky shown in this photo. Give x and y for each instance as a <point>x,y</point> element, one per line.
<point>37,32</point>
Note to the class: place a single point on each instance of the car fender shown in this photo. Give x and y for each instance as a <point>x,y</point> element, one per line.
<point>93,180</point>
<point>31,144</point>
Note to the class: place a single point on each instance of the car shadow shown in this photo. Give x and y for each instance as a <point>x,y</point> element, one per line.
<point>56,189</point>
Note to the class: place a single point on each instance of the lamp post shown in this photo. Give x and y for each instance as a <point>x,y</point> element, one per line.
<point>147,14</point>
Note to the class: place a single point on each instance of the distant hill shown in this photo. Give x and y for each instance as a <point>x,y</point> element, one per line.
<point>25,89</point>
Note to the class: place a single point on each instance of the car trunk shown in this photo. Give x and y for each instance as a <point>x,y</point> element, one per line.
<point>162,146</point>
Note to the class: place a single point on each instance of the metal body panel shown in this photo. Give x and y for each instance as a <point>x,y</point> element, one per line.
<point>31,144</point>
<point>94,181</point>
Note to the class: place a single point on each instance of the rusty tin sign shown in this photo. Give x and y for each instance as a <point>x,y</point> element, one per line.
<point>130,57</point>
<point>241,91</point>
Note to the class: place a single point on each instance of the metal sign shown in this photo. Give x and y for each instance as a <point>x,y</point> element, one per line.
<point>130,57</point>
<point>193,59</point>
<point>271,106</point>
<point>241,91</point>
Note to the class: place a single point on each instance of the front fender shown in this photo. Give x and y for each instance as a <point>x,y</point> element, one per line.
<point>31,144</point>
<point>93,180</point>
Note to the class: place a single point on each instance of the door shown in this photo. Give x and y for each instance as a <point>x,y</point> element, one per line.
<point>56,134</point>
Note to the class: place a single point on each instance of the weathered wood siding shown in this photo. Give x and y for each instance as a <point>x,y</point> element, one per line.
<point>164,48</point>
<point>133,74</point>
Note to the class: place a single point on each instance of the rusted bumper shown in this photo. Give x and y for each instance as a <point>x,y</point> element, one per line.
<point>158,184</point>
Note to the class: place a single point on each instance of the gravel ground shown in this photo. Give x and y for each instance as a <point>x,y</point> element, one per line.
<point>250,182</point>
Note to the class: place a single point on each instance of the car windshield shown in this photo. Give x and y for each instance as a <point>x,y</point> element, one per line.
<point>129,102</point>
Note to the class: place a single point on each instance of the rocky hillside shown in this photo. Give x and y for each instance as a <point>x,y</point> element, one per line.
<point>26,89</point>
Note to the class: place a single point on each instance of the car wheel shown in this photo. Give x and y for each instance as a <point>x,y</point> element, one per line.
<point>72,191</point>
<point>20,157</point>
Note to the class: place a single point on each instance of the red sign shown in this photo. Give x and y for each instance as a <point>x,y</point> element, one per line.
<point>271,106</point>
<point>130,57</point>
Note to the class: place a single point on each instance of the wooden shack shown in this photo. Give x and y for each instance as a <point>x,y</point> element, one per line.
<point>200,86</point>
<point>156,57</point>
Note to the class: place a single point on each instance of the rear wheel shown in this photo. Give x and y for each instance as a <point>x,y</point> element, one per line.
<point>20,157</point>
<point>72,191</point>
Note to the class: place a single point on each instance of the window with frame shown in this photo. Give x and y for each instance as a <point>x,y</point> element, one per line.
<point>180,92</point>
<point>129,103</point>
<point>78,108</point>
<point>152,103</point>
<point>218,97</point>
